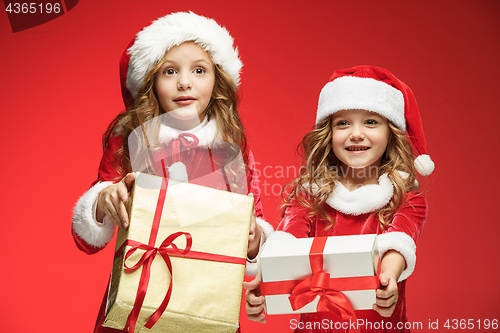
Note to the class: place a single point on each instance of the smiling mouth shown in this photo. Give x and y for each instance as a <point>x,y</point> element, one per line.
<point>357,148</point>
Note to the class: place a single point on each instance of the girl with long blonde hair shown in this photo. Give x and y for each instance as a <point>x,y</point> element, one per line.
<point>183,72</point>
<point>359,177</point>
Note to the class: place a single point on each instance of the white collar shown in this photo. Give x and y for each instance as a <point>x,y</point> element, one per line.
<point>205,132</point>
<point>365,199</point>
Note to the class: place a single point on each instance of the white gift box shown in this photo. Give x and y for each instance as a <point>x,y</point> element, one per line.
<point>343,257</point>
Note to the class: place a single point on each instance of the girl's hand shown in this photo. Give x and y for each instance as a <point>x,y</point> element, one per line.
<point>254,301</point>
<point>387,295</point>
<point>111,202</point>
<point>392,265</point>
<point>253,238</point>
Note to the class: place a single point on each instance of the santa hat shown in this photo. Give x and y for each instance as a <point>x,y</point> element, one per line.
<point>150,45</point>
<point>378,90</point>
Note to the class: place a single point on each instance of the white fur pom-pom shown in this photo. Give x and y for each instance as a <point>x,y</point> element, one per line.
<point>424,165</point>
<point>177,171</point>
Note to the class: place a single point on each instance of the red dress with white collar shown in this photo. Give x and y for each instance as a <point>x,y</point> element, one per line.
<point>353,215</point>
<point>91,236</point>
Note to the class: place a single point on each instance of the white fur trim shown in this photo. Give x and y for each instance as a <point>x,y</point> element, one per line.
<point>282,235</point>
<point>424,165</point>
<point>84,223</point>
<point>206,132</point>
<point>404,244</point>
<point>251,268</point>
<point>351,92</point>
<point>166,32</point>
<point>267,229</point>
<point>365,199</point>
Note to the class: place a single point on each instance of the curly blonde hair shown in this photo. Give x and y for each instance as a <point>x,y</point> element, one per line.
<point>320,171</point>
<point>223,106</point>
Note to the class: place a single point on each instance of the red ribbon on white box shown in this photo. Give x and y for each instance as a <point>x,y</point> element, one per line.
<point>320,284</point>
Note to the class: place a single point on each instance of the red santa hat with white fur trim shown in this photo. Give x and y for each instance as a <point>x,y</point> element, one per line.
<point>151,44</point>
<point>378,90</point>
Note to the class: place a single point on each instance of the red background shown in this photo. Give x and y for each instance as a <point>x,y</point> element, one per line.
<point>60,89</point>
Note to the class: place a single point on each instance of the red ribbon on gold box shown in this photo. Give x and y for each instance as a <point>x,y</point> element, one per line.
<point>201,235</point>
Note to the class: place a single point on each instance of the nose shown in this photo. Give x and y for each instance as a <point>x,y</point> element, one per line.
<point>357,134</point>
<point>184,82</point>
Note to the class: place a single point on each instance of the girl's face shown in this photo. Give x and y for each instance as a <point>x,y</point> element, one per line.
<point>359,138</point>
<point>185,82</point>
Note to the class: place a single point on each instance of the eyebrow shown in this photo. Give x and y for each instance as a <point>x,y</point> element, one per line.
<point>195,61</point>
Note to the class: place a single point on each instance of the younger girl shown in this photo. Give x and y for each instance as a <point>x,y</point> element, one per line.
<point>183,65</point>
<point>359,178</point>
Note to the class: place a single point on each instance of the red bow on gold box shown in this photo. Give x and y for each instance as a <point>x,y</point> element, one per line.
<point>180,265</point>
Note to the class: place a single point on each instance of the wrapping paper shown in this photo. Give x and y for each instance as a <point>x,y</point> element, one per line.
<point>206,295</point>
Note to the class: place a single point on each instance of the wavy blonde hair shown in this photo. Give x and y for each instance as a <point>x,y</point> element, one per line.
<point>320,171</point>
<point>223,106</point>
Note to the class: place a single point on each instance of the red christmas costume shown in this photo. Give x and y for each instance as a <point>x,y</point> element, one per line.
<point>146,50</point>
<point>376,90</point>
<point>91,236</point>
<point>351,217</point>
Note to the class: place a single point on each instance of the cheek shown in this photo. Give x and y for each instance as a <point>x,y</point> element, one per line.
<point>383,141</point>
<point>385,138</point>
<point>165,86</point>
<point>162,91</point>
<point>208,89</point>
<point>207,93</point>
<point>337,141</point>
<point>163,94</point>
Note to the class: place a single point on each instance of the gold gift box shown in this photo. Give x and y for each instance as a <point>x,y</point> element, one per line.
<point>206,295</point>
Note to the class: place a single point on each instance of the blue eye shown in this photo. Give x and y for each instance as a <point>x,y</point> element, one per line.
<point>342,123</point>
<point>371,122</point>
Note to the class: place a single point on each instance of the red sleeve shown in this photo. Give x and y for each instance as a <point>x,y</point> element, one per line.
<point>253,185</point>
<point>402,234</point>
<point>296,221</point>
<point>108,168</point>
<point>89,237</point>
<point>410,218</point>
